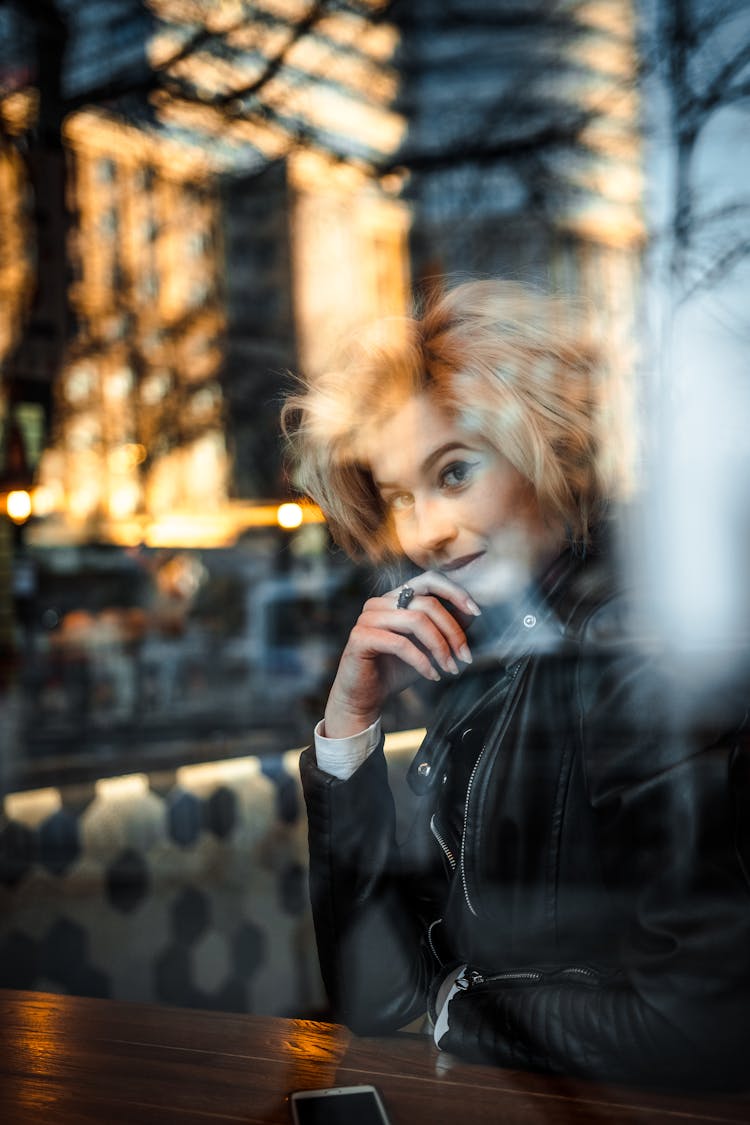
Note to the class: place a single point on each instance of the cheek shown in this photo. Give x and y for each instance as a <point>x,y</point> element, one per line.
<point>398,539</point>
<point>408,548</point>
<point>492,507</point>
<point>506,505</point>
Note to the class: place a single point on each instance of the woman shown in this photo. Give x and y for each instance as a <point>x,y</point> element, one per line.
<point>573,895</point>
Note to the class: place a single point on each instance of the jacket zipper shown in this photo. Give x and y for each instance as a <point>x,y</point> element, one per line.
<point>579,971</point>
<point>441,841</point>
<point>466,809</point>
<point>430,928</point>
<point>474,978</point>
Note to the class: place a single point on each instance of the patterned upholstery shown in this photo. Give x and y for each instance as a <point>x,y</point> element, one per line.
<point>185,888</point>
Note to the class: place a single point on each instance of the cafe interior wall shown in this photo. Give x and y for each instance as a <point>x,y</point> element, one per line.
<point>193,293</point>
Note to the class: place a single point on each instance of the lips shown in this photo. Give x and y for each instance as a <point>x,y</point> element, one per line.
<point>459,563</point>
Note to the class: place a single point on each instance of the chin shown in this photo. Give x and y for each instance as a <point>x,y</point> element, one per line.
<point>498,581</point>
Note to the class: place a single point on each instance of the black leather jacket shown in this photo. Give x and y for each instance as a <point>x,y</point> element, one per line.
<point>580,839</point>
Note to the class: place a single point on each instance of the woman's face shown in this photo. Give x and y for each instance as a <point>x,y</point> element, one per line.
<point>457,505</point>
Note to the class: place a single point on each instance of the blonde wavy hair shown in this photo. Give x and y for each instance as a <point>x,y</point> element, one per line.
<point>509,363</point>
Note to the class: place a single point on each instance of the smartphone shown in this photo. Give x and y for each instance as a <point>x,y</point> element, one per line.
<point>339,1105</point>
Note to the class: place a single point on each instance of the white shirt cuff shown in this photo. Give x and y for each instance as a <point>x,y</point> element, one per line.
<point>342,756</point>
<point>457,985</point>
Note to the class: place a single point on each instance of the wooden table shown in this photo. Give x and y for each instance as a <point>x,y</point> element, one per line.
<point>67,1059</point>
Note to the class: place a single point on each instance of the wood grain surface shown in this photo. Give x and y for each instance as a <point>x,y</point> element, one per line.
<point>67,1059</point>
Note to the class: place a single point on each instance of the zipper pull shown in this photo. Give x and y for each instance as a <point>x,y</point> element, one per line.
<point>468,979</point>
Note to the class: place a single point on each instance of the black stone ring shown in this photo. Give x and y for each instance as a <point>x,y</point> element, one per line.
<point>405,594</point>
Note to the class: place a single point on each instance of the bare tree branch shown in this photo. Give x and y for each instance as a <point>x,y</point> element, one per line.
<point>720,89</point>
<point>274,65</point>
<point>718,270</point>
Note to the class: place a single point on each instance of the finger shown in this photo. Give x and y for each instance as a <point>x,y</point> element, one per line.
<point>433,604</point>
<point>439,585</point>
<point>431,624</point>
<point>384,642</point>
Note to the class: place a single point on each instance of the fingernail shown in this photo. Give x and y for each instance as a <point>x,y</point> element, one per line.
<point>435,675</point>
<point>465,654</point>
<point>473,607</point>
<point>451,665</point>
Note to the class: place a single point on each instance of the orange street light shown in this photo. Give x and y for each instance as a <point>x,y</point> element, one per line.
<point>18,505</point>
<point>289,516</point>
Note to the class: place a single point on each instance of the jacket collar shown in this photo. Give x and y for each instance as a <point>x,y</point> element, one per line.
<point>535,622</point>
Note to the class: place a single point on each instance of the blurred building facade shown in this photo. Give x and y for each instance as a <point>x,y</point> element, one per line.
<point>137,420</point>
<point>437,142</point>
<point>281,174</point>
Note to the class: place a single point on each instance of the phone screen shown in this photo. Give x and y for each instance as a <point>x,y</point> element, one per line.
<point>340,1107</point>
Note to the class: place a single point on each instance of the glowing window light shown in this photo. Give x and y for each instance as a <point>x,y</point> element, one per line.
<point>124,500</point>
<point>289,516</point>
<point>46,499</point>
<point>18,505</point>
<point>127,456</point>
<point>83,501</point>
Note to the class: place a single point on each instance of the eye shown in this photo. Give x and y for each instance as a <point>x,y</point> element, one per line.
<point>457,473</point>
<point>398,501</point>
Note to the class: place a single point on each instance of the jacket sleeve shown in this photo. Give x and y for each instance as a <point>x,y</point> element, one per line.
<point>371,905</point>
<point>668,779</point>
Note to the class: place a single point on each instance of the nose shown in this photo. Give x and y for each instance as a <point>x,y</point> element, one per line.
<point>434,526</point>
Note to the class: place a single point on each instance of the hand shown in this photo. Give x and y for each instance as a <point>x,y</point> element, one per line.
<point>389,648</point>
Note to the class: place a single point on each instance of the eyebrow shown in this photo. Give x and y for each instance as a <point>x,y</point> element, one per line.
<point>430,460</point>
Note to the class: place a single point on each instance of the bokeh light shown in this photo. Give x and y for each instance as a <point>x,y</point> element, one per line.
<point>289,516</point>
<point>18,505</point>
